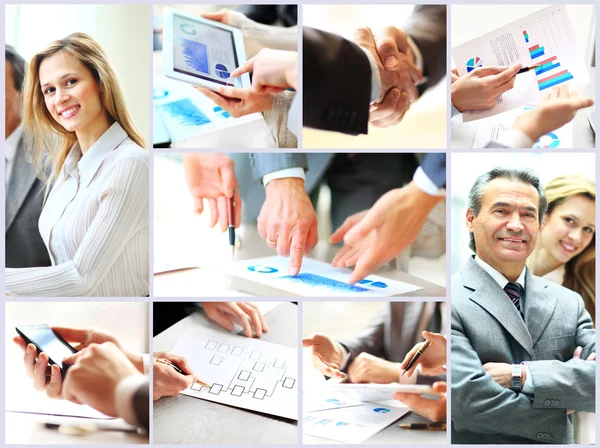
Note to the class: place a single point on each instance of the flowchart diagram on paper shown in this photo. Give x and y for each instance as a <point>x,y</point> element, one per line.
<point>243,372</point>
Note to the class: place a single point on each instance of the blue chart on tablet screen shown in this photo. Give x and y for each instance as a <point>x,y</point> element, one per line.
<point>196,55</point>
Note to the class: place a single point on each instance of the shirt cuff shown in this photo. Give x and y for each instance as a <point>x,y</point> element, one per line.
<point>425,184</point>
<point>281,174</point>
<point>146,363</point>
<point>345,358</point>
<point>512,138</point>
<point>293,116</point>
<point>124,393</point>
<point>375,78</point>
<point>528,386</point>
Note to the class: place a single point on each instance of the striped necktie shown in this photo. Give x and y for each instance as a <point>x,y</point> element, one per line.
<point>514,292</point>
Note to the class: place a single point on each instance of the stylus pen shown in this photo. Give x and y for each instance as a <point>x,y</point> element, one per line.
<point>416,356</point>
<point>526,69</point>
<point>230,220</point>
<point>178,370</point>
<point>439,426</point>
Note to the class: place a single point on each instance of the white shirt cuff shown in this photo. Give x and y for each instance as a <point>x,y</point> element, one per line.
<point>124,393</point>
<point>293,116</point>
<point>425,184</point>
<point>345,358</point>
<point>281,174</point>
<point>512,138</point>
<point>528,386</point>
<point>146,363</point>
<point>375,78</point>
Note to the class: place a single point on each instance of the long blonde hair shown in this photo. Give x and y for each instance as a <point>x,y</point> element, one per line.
<point>50,142</point>
<point>580,271</point>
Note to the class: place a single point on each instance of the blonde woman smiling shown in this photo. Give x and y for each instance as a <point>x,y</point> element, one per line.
<point>95,219</point>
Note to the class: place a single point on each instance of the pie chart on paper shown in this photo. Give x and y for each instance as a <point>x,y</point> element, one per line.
<point>473,63</point>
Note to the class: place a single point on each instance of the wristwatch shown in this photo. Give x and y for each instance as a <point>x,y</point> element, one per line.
<point>515,383</point>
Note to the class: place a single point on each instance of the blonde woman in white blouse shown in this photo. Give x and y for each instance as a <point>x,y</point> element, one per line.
<point>95,219</point>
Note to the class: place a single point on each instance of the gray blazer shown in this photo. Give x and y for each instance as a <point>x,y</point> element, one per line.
<point>486,327</point>
<point>24,199</point>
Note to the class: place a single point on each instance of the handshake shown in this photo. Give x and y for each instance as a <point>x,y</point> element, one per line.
<point>398,73</point>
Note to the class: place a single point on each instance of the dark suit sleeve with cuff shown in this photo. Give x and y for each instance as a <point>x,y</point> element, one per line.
<point>265,163</point>
<point>571,384</point>
<point>336,83</point>
<point>434,165</point>
<point>482,406</point>
<point>427,28</point>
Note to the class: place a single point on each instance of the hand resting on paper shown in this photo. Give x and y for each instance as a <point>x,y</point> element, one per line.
<point>246,314</point>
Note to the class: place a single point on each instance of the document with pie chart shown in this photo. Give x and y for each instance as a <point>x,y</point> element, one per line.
<point>545,40</point>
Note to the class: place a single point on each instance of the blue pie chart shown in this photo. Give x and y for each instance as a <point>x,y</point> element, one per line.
<point>188,29</point>
<point>262,269</point>
<point>222,71</point>
<point>381,410</point>
<point>473,63</point>
<point>550,140</point>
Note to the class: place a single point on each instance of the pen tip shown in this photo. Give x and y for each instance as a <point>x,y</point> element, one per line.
<point>232,252</point>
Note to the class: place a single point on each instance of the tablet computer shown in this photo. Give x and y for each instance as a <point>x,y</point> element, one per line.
<point>202,52</point>
<point>379,392</point>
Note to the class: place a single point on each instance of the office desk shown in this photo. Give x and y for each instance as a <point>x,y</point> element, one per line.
<point>184,419</point>
<point>27,429</point>
<point>209,282</point>
<point>395,435</point>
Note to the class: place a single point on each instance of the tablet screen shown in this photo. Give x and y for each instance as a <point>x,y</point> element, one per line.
<point>203,51</point>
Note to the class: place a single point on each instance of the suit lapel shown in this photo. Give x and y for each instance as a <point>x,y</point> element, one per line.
<point>488,294</point>
<point>22,179</point>
<point>539,306</point>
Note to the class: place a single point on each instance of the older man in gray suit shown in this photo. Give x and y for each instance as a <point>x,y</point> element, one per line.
<point>24,192</point>
<point>514,377</point>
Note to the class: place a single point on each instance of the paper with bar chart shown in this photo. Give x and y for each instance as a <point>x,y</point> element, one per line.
<point>242,372</point>
<point>353,424</point>
<point>316,279</point>
<point>544,40</point>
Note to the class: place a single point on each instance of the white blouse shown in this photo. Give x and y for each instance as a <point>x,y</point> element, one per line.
<point>95,224</point>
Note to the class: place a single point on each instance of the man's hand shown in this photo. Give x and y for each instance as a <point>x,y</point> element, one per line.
<point>94,375</point>
<point>367,368</point>
<point>500,372</point>
<point>555,109</point>
<point>246,314</point>
<point>211,176</point>
<point>239,102</point>
<point>273,70</point>
<point>433,360</point>
<point>395,221</point>
<point>287,220</point>
<point>480,88</point>
<point>327,355</point>
<point>49,378</point>
<point>432,409</point>
<point>397,84</point>
<point>166,380</point>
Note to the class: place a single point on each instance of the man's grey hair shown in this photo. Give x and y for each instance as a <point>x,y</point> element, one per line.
<point>526,176</point>
<point>18,66</point>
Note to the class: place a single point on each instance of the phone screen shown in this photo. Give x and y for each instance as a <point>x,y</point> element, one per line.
<point>46,339</point>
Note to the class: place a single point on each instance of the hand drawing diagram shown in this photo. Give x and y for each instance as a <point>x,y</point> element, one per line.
<point>242,372</point>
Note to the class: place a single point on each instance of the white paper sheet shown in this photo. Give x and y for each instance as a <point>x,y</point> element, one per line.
<point>493,129</point>
<point>351,424</point>
<point>316,279</point>
<point>243,372</point>
<point>187,113</point>
<point>322,400</point>
<point>543,37</point>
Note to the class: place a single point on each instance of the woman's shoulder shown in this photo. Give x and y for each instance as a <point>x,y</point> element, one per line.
<point>129,150</point>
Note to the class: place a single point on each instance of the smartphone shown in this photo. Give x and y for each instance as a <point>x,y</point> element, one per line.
<point>49,342</point>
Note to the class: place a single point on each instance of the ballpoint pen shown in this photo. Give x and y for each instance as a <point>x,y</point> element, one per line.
<point>416,356</point>
<point>178,370</point>
<point>230,220</point>
<point>526,69</point>
<point>436,426</point>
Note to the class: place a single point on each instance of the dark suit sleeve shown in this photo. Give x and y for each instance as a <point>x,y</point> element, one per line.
<point>571,384</point>
<point>427,28</point>
<point>336,83</point>
<point>434,165</point>
<point>141,405</point>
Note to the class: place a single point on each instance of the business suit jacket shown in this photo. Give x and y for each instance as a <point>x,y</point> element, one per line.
<point>337,73</point>
<point>141,406</point>
<point>250,169</point>
<point>24,200</point>
<point>393,332</point>
<point>486,327</point>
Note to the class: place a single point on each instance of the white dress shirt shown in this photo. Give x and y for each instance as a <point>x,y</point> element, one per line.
<point>95,224</point>
<point>10,151</point>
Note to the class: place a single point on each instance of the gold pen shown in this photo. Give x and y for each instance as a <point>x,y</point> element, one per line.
<point>178,370</point>
<point>416,356</point>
